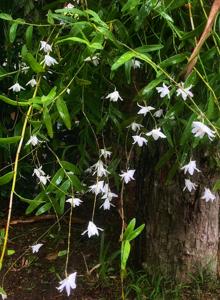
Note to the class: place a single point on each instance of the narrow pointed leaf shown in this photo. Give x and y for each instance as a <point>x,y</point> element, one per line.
<point>12,32</point>
<point>63,112</point>
<point>48,121</point>
<point>126,248</point>
<point>32,62</point>
<point>6,178</point>
<point>149,48</point>
<point>173,60</point>
<point>6,17</point>
<point>12,102</point>
<point>122,60</point>
<point>135,233</point>
<point>44,208</point>
<point>9,140</point>
<point>28,36</point>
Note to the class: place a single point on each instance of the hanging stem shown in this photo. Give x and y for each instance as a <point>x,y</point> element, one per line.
<point>15,176</point>
<point>13,185</point>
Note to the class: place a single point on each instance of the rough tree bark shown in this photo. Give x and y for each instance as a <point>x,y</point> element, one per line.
<point>182,230</point>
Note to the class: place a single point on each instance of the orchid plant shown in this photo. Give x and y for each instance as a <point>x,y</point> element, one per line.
<point>69,82</point>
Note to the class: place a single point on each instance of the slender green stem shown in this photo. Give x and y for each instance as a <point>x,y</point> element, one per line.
<point>13,185</point>
<point>15,176</point>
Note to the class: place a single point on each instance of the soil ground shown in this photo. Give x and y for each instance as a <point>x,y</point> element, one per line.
<point>28,276</point>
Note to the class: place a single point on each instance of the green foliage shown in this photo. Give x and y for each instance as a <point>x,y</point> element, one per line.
<point>95,48</point>
<point>100,47</point>
<point>129,234</point>
<point>6,178</point>
<point>156,33</point>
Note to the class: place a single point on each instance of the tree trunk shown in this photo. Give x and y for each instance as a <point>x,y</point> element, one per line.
<point>181,234</point>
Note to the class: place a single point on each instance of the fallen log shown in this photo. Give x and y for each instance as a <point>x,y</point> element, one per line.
<point>34,219</point>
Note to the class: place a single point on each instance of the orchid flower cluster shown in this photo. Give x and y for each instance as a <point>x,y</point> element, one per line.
<point>199,130</point>
<point>100,187</point>
<point>47,48</point>
<point>190,186</point>
<point>48,60</point>
<point>101,171</point>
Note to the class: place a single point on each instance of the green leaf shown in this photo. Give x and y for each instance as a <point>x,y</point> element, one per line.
<point>173,4</point>
<point>56,180</point>
<point>125,252</point>
<point>166,16</point>
<point>216,186</point>
<point>6,17</point>
<point>24,50</point>
<point>6,178</point>
<point>81,41</point>
<point>46,100</point>
<point>122,60</point>
<point>29,36</point>
<point>10,140</point>
<point>63,188</point>
<point>65,19</point>
<point>26,200</point>
<point>61,195</point>
<point>135,233</point>
<point>10,252</point>
<point>61,204</point>
<point>147,59</point>
<point>130,5</point>
<point>129,228</point>
<point>12,32</point>
<point>63,112</point>
<point>50,19</point>
<point>32,62</point>
<point>76,182</point>
<point>44,208</point>
<point>12,102</point>
<point>187,131</point>
<point>38,200</point>
<point>194,33</point>
<point>70,167</point>
<point>173,60</point>
<point>149,48</point>
<point>191,79</point>
<point>107,34</point>
<point>19,21</point>
<point>121,30</point>
<point>148,89</point>
<point>167,130</point>
<point>62,253</point>
<point>96,18</point>
<point>71,10</point>
<point>48,122</point>
<point>212,111</point>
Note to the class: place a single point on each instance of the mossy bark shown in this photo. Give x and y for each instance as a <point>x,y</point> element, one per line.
<point>181,236</point>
